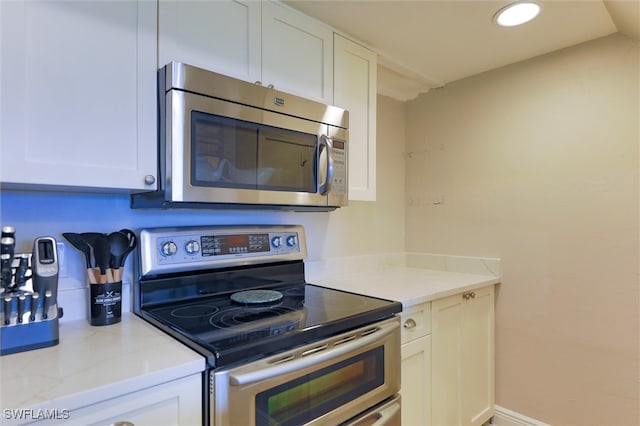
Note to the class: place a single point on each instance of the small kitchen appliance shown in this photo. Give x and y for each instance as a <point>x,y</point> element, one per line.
<point>278,350</point>
<point>29,291</point>
<point>224,142</point>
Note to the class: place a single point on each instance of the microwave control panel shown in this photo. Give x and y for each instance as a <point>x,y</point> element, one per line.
<point>339,180</point>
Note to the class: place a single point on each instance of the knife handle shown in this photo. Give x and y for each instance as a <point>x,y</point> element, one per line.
<point>35,298</point>
<point>7,309</point>
<point>21,304</point>
<point>21,272</point>
<point>8,231</point>
<point>47,304</point>
<point>6,271</point>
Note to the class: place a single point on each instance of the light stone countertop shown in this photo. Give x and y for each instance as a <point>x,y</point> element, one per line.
<point>410,286</point>
<point>92,364</point>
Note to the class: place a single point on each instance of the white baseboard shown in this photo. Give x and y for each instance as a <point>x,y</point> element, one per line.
<point>505,417</point>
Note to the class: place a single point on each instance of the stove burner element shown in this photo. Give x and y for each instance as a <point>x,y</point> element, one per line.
<point>194,311</point>
<point>251,297</point>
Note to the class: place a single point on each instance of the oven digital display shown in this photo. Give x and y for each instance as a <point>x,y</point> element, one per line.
<point>338,144</point>
<point>217,245</point>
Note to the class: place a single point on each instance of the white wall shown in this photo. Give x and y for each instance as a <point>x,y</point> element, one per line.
<point>538,163</point>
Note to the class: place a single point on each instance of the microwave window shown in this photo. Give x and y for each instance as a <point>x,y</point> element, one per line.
<point>310,396</point>
<point>223,151</point>
<point>286,160</point>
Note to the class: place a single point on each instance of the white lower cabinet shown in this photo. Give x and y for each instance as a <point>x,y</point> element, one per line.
<point>416,365</point>
<point>462,358</point>
<point>175,403</point>
<point>448,360</point>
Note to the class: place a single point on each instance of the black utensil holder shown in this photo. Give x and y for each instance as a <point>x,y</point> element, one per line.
<point>105,303</point>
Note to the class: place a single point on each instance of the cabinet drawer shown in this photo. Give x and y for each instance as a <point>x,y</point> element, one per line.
<point>416,322</point>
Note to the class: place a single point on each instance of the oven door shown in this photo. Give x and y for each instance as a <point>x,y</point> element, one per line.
<point>327,382</point>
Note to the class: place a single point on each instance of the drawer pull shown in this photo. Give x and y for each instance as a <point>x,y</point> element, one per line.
<point>409,323</point>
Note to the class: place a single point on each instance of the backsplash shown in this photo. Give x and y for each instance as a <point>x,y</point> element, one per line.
<point>35,214</point>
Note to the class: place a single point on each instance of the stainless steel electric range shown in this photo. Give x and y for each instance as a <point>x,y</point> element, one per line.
<point>279,351</point>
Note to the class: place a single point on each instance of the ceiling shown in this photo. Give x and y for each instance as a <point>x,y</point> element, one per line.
<point>428,43</point>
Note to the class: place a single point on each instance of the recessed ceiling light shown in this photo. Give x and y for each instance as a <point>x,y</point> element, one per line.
<point>517,13</point>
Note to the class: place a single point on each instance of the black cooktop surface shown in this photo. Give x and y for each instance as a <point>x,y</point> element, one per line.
<point>227,331</point>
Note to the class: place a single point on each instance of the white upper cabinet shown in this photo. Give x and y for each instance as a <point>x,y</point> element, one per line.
<point>78,94</point>
<point>221,36</point>
<point>355,90</point>
<point>297,53</point>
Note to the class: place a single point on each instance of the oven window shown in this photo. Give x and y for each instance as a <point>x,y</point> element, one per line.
<point>308,397</point>
<point>224,151</point>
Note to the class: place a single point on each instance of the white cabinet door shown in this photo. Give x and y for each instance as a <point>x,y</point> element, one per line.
<point>416,382</point>
<point>355,90</point>
<point>221,36</point>
<point>463,358</point>
<point>446,359</point>
<point>78,91</point>
<point>172,404</point>
<point>478,357</point>
<point>297,53</point>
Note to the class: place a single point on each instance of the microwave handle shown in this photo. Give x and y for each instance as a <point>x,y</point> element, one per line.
<point>261,373</point>
<point>325,142</point>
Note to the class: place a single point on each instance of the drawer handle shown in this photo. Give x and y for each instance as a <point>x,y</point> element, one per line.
<point>410,323</point>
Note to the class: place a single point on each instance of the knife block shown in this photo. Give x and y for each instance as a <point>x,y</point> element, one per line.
<point>26,322</point>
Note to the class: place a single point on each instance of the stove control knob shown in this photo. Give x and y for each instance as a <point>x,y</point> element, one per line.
<point>168,248</point>
<point>276,242</point>
<point>192,247</point>
<point>292,241</point>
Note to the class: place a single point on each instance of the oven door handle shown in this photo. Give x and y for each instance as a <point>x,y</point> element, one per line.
<point>387,414</point>
<point>262,372</point>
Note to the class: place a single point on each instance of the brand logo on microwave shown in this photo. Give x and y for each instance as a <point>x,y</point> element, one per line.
<point>278,101</point>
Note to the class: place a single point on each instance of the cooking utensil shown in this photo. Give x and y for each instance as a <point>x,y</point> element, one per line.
<point>119,246</point>
<point>100,260</point>
<point>80,243</point>
<point>131,236</point>
<point>102,256</point>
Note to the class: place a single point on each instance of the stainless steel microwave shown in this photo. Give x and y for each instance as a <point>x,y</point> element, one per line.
<point>224,142</point>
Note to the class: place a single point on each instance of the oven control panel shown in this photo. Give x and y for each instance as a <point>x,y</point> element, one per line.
<point>193,248</point>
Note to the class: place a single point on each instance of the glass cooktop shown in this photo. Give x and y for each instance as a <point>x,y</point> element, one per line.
<point>227,331</point>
